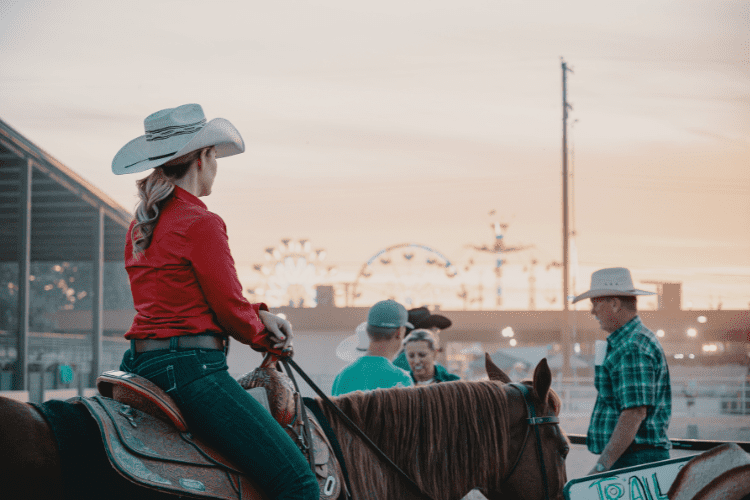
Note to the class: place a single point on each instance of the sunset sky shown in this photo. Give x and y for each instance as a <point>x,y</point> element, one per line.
<point>371,124</point>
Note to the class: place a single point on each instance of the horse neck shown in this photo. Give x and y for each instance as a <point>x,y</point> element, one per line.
<point>457,432</point>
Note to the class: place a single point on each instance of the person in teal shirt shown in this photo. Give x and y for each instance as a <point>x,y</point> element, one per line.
<point>421,348</point>
<point>386,326</point>
<point>421,318</point>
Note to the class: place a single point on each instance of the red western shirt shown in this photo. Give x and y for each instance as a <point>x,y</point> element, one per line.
<point>185,282</point>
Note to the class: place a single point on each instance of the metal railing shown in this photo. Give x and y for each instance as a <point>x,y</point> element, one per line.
<point>679,444</point>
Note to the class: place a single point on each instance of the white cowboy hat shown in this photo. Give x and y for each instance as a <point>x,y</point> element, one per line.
<point>355,346</point>
<point>613,281</point>
<point>174,132</point>
<point>384,315</point>
<point>721,473</point>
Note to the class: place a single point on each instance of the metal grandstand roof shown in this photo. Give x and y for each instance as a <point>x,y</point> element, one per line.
<point>48,213</point>
<point>65,209</point>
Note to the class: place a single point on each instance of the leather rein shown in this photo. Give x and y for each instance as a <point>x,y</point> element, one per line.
<point>534,422</point>
<point>353,427</point>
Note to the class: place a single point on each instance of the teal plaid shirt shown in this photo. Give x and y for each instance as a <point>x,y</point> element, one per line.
<point>634,373</point>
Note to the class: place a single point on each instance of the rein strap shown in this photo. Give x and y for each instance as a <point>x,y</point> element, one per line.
<point>534,422</point>
<point>356,430</point>
<point>305,422</point>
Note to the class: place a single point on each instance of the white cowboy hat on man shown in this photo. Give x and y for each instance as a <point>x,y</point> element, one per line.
<point>611,282</point>
<point>174,132</point>
<point>384,315</point>
<point>355,346</point>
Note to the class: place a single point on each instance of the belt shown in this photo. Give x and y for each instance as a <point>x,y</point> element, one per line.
<point>640,447</point>
<point>183,341</point>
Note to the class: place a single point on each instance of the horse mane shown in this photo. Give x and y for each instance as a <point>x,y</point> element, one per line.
<point>437,434</point>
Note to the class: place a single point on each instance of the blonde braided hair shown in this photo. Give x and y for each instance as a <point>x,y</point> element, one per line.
<point>154,191</point>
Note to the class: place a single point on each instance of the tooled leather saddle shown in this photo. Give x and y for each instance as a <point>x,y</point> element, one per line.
<point>148,442</point>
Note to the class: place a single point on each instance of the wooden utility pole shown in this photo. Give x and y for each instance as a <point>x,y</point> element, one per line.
<point>566,328</point>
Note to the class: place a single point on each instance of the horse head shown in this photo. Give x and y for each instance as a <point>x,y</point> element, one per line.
<point>527,475</point>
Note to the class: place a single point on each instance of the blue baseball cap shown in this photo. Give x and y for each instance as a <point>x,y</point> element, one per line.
<point>388,315</point>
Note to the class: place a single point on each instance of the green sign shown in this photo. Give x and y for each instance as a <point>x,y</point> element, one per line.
<point>66,374</point>
<point>641,482</point>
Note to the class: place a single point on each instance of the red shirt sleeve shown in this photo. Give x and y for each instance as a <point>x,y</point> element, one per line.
<point>217,276</point>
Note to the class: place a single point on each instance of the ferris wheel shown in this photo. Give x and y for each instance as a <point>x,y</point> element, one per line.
<point>291,273</point>
<point>411,274</point>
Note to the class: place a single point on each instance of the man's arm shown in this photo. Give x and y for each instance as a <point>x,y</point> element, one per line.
<point>624,433</point>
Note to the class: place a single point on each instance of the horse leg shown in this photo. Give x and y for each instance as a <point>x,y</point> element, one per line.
<point>29,459</point>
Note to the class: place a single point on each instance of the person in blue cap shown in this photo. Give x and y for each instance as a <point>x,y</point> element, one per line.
<point>387,321</point>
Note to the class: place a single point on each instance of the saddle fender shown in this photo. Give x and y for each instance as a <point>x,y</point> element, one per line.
<point>286,407</point>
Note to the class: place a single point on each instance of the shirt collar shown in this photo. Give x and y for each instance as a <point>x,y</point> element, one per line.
<point>621,333</point>
<point>375,359</point>
<point>188,197</point>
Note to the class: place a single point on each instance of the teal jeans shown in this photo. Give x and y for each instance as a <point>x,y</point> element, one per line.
<point>633,458</point>
<point>218,410</point>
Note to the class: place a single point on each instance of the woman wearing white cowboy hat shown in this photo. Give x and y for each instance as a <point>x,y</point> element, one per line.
<point>188,299</point>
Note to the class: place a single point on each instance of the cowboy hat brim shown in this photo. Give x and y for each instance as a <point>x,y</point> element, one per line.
<point>354,346</point>
<point>219,133</point>
<point>610,293</point>
<point>435,321</point>
<point>722,473</point>
<point>420,317</point>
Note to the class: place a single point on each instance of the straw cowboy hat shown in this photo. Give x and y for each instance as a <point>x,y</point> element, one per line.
<point>174,132</point>
<point>613,281</point>
<point>721,473</point>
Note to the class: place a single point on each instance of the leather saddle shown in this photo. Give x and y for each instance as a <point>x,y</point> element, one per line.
<point>148,442</point>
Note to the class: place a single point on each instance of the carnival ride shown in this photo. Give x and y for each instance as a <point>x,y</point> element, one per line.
<point>410,273</point>
<point>291,274</point>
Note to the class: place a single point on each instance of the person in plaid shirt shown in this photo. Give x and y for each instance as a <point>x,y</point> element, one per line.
<point>634,395</point>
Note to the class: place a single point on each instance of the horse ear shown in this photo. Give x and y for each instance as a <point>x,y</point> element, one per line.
<point>542,380</point>
<point>493,371</point>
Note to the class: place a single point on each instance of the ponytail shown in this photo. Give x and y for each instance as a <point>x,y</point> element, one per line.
<point>154,191</point>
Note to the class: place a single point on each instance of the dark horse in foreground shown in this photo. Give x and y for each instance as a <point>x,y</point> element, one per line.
<point>449,438</point>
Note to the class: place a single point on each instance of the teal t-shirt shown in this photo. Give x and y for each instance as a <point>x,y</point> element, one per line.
<point>368,373</point>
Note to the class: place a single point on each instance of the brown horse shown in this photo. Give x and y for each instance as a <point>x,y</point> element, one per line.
<point>454,437</point>
<point>450,438</point>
